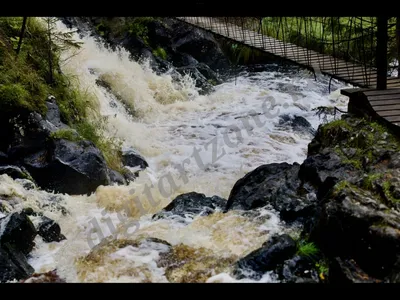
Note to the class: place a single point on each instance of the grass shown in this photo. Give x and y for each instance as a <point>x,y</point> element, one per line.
<point>308,250</point>
<point>66,134</point>
<point>160,52</point>
<point>25,83</point>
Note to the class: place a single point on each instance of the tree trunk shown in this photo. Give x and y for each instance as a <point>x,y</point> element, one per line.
<point>21,36</point>
<point>50,54</point>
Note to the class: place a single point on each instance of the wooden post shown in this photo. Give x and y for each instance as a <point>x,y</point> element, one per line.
<point>381,53</point>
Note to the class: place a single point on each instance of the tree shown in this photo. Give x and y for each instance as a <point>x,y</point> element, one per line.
<point>21,36</point>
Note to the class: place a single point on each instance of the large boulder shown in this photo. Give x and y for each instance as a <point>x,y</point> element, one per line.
<point>68,167</point>
<point>277,185</point>
<point>13,264</point>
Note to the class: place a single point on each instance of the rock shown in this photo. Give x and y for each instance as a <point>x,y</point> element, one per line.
<point>116,177</point>
<point>201,81</point>
<point>69,167</point>
<point>200,44</point>
<point>50,231</point>
<point>354,223</point>
<point>275,184</point>
<point>13,264</point>
<point>299,270</point>
<point>52,120</point>
<point>3,158</point>
<point>347,271</point>
<point>14,172</point>
<point>132,158</point>
<point>273,253</point>
<point>316,169</point>
<point>48,277</point>
<point>17,230</point>
<point>193,204</point>
<point>183,60</point>
<point>297,123</point>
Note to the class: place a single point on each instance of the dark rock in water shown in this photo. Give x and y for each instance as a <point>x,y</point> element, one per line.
<point>132,158</point>
<point>299,270</point>
<point>18,231</point>
<point>116,177</point>
<point>53,116</point>
<point>199,44</point>
<point>355,223</point>
<point>201,81</point>
<point>347,271</point>
<point>30,212</point>
<point>14,172</point>
<point>3,158</point>
<point>183,60</point>
<point>50,231</point>
<point>267,258</point>
<point>13,264</point>
<point>297,123</point>
<point>191,203</point>
<point>275,184</point>
<point>69,167</point>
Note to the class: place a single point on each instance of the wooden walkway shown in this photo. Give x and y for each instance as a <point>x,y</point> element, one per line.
<point>357,75</point>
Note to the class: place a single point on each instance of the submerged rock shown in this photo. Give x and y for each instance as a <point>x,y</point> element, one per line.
<point>191,204</point>
<point>132,158</point>
<point>273,253</point>
<point>277,185</point>
<point>15,172</point>
<point>297,123</point>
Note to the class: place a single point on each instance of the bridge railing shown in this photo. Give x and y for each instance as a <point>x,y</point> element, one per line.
<point>344,47</point>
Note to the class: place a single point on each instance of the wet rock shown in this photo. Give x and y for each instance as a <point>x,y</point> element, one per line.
<point>275,184</point>
<point>132,158</point>
<point>297,123</point>
<point>17,230</point>
<point>192,204</point>
<point>299,270</point>
<point>70,167</point>
<point>354,223</point>
<point>116,177</point>
<point>267,258</point>
<point>347,271</point>
<point>52,120</point>
<point>13,264</point>
<point>48,277</point>
<point>14,172</point>
<point>316,169</point>
<point>50,231</point>
<point>183,60</point>
<point>201,81</point>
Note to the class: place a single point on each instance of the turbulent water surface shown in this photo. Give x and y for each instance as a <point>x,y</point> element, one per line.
<point>192,143</point>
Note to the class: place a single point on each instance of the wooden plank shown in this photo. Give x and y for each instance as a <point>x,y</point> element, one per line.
<point>393,118</point>
<point>382,92</point>
<point>379,98</point>
<point>384,102</point>
<point>388,113</point>
<point>387,107</point>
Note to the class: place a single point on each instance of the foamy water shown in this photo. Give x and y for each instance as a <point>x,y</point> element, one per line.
<point>183,137</point>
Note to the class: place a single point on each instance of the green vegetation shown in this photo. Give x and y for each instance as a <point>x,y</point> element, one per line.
<point>369,181</point>
<point>308,250</point>
<point>27,78</point>
<point>67,134</point>
<point>160,52</point>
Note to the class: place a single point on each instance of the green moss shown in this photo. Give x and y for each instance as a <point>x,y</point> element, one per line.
<point>336,124</point>
<point>341,185</point>
<point>388,193</point>
<point>66,134</point>
<point>160,52</point>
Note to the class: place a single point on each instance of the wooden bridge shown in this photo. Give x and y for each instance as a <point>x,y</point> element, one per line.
<point>356,50</point>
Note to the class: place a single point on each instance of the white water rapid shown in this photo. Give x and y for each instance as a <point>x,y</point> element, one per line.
<point>175,126</point>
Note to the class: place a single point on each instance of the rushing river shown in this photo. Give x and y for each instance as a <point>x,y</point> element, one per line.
<point>192,143</point>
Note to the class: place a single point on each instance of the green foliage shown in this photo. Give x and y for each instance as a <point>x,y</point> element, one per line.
<point>66,134</point>
<point>308,250</point>
<point>369,180</point>
<point>160,52</point>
